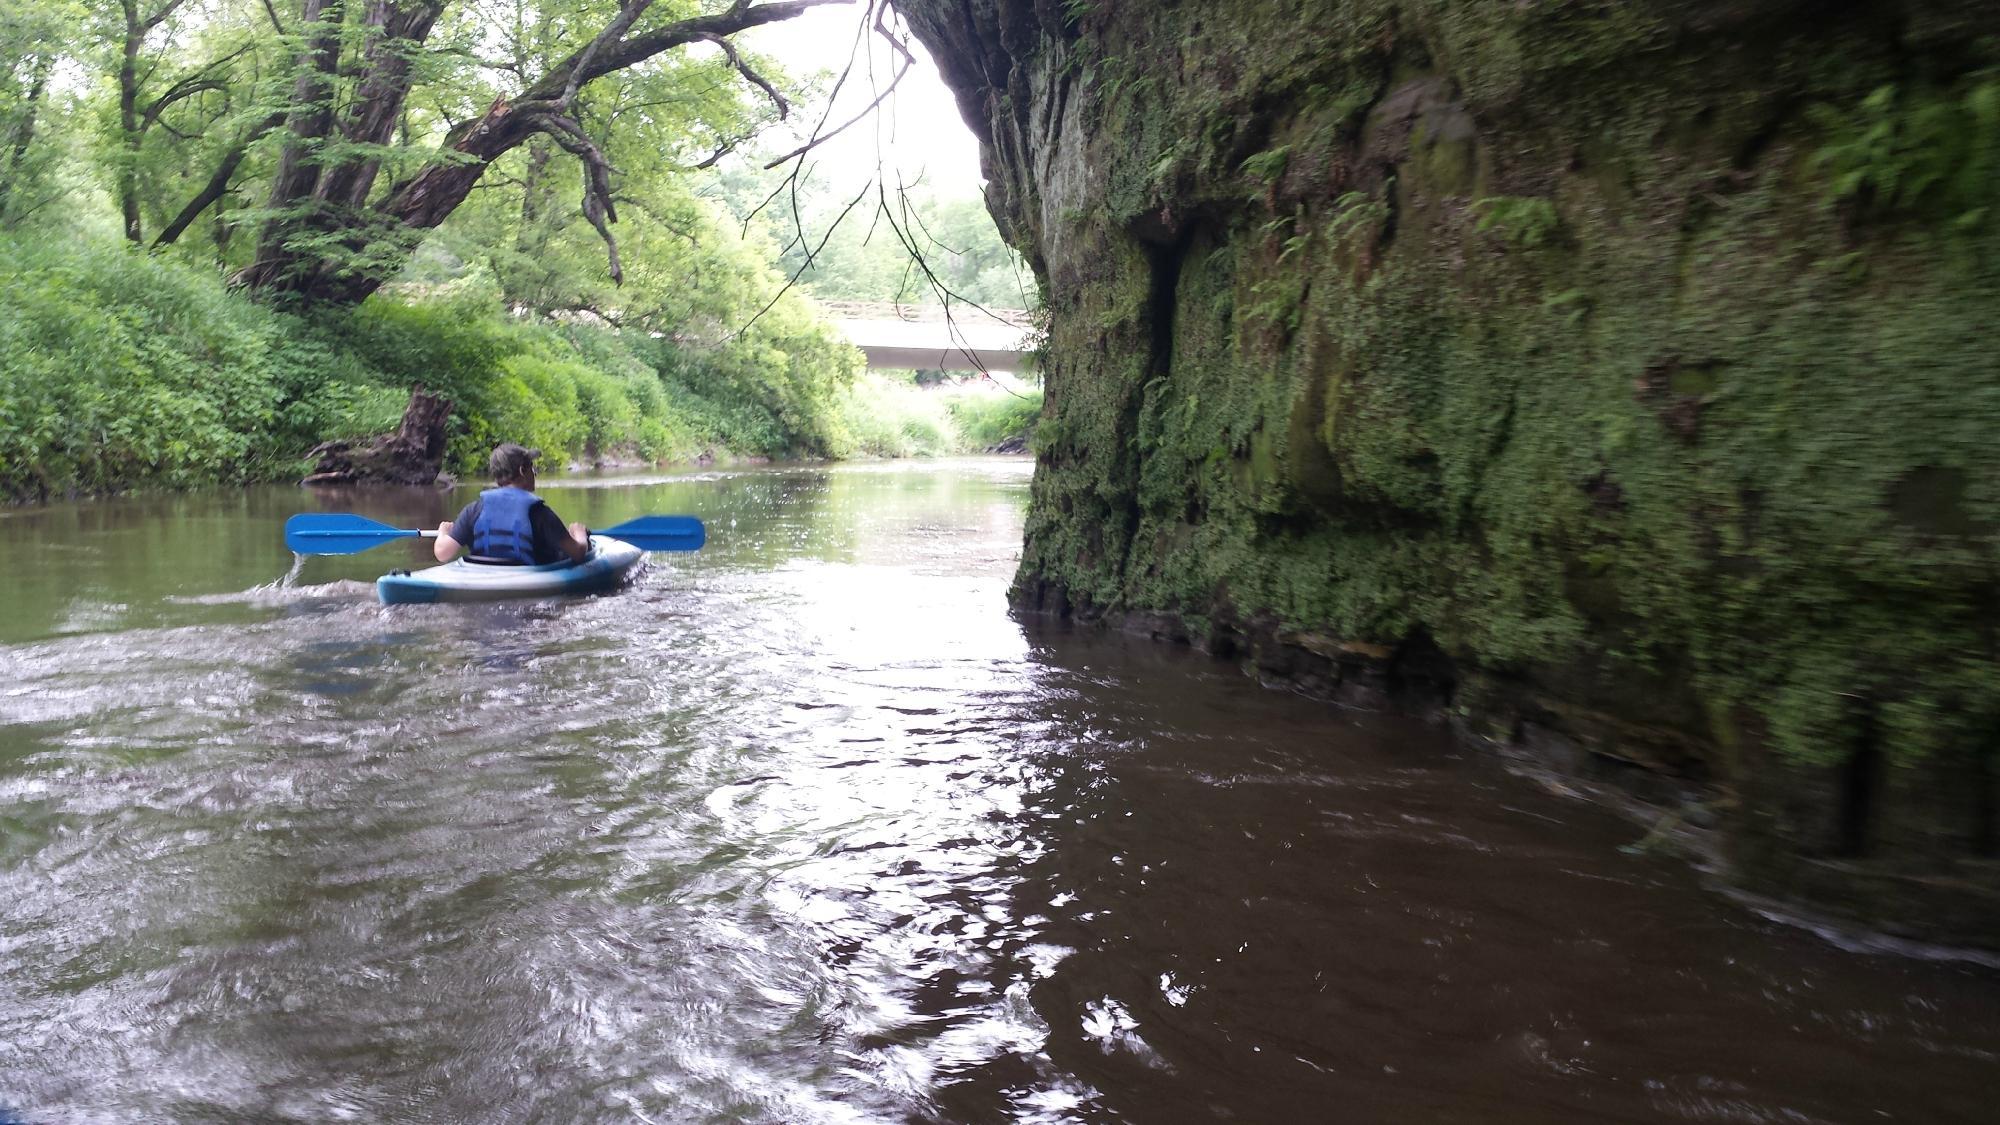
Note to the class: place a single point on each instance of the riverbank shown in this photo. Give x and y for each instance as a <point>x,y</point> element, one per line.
<point>122,370</point>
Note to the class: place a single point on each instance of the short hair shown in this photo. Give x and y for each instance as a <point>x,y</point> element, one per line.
<point>510,461</point>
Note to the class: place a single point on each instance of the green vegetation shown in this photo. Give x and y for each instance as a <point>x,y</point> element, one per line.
<point>986,418</point>
<point>1264,168</point>
<point>1523,222</point>
<point>231,230</point>
<point>119,368</point>
<point>889,415</point>
<point>1915,149</point>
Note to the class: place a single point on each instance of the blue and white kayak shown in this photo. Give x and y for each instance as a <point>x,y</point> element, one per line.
<point>462,581</point>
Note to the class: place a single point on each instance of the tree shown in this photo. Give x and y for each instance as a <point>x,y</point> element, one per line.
<point>330,236</point>
<point>34,37</point>
<point>145,104</point>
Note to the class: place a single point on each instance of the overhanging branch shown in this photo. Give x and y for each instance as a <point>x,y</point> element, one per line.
<point>599,206</point>
<point>740,16</point>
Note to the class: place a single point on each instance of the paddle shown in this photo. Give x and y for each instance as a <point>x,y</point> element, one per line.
<point>343,533</point>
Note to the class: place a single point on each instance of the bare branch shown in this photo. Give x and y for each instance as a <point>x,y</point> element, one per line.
<point>715,157</point>
<point>944,292</point>
<point>754,78</point>
<point>797,158</point>
<point>740,16</point>
<point>160,16</point>
<point>791,181</point>
<point>628,11</point>
<point>185,88</point>
<point>800,272</point>
<point>818,138</point>
<point>889,37</point>
<point>218,183</point>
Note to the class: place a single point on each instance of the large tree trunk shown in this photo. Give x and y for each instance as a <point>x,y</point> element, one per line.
<point>378,102</point>
<point>132,122</point>
<point>306,125</point>
<point>128,119</point>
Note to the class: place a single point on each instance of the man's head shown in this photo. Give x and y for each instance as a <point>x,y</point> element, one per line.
<point>511,464</point>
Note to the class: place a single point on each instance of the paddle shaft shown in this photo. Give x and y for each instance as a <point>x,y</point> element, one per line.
<point>343,533</point>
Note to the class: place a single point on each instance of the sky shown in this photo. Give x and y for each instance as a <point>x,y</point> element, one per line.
<point>916,134</point>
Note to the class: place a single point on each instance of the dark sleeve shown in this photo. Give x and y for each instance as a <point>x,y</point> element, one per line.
<point>461,528</point>
<point>550,533</point>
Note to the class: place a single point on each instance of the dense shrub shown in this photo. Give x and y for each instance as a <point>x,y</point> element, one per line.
<point>116,368</point>
<point>988,414</point>
<point>894,417</point>
<point>121,369</point>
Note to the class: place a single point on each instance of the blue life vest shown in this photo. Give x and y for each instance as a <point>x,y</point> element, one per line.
<point>503,532</point>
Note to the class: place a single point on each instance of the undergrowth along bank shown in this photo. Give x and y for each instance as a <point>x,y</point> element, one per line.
<point>120,369</point>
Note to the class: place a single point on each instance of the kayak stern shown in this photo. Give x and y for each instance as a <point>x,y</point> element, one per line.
<point>462,581</point>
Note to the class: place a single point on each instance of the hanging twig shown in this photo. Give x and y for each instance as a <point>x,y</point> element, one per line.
<point>790,185</point>
<point>821,138</point>
<point>913,221</point>
<point>740,333</point>
<point>751,76</point>
<point>791,181</point>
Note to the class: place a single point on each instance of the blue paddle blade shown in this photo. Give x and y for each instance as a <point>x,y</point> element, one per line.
<point>661,533</point>
<point>339,533</point>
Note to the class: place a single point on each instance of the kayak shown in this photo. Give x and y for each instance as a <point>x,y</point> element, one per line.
<point>463,581</point>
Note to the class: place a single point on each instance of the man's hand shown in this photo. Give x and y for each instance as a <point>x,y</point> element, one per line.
<point>581,535</point>
<point>445,548</point>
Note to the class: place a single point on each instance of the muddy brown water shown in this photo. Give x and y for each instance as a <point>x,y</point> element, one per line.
<point>806,828</point>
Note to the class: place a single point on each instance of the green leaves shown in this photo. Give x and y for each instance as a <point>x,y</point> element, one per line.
<point>1915,151</point>
<point>1523,221</point>
<point>118,369</point>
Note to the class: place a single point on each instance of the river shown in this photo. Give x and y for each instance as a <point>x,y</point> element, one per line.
<point>806,828</point>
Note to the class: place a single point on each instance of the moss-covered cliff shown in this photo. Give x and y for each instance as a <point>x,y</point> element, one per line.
<point>1623,376</point>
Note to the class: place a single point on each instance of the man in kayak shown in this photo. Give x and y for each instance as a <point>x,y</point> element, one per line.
<point>509,524</point>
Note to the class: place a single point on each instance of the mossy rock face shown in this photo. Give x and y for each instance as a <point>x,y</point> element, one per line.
<point>1637,356</point>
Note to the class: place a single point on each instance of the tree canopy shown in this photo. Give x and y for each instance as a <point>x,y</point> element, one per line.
<point>313,144</point>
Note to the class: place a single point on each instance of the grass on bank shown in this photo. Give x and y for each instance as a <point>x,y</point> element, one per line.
<point>889,415</point>
<point>121,369</point>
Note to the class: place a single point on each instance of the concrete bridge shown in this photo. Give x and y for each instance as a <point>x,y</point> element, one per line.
<point>908,337</point>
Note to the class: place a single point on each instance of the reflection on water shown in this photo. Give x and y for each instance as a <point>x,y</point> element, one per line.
<point>805,828</point>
